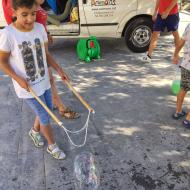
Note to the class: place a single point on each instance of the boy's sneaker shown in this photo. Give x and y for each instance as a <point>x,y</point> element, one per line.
<point>146,59</point>
<point>37,138</point>
<point>56,152</point>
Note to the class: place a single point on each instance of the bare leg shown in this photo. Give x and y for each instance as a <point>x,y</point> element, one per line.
<point>153,42</point>
<point>47,133</point>
<point>36,125</point>
<point>179,102</point>
<point>53,149</point>
<point>63,111</point>
<point>188,116</point>
<point>55,97</point>
<point>176,38</point>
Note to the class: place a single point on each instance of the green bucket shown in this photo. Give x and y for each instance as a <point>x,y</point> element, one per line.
<point>175,88</point>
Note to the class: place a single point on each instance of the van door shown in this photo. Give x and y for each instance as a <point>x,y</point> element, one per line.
<point>2,19</point>
<point>103,16</point>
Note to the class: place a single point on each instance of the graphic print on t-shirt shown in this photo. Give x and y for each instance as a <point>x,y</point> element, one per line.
<point>28,59</point>
<point>39,56</point>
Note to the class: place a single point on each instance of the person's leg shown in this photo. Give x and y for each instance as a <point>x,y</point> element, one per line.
<point>64,111</point>
<point>46,130</point>
<point>185,87</point>
<point>36,126</point>
<point>147,58</point>
<point>172,23</point>
<point>153,42</point>
<point>35,135</point>
<point>179,113</point>
<point>34,132</point>
<point>176,38</point>
<point>185,83</point>
<point>157,27</point>
<point>180,99</point>
<point>45,127</point>
<point>42,120</point>
<point>47,133</point>
<point>52,148</point>
<point>55,97</point>
<point>188,116</point>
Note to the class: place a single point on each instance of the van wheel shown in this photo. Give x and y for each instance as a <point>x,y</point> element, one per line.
<point>138,34</point>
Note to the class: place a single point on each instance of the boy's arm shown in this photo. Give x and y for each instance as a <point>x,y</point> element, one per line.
<point>5,67</point>
<point>169,8</point>
<point>51,61</point>
<point>177,50</point>
<point>155,10</point>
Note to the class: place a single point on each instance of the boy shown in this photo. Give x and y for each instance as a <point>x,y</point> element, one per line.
<point>41,17</point>
<point>24,57</point>
<point>185,75</point>
<point>165,15</point>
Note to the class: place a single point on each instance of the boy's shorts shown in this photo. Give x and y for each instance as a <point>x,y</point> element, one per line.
<point>171,23</point>
<point>39,110</point>
<point>185,79</point>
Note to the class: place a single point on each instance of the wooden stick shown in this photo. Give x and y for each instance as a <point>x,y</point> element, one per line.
<point>79,96</point>
<point>54,117</point>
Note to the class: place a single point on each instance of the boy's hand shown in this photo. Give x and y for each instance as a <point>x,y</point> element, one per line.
<point>176,59</point>
<point>23,83</point>
<point>165,14</point>
<point>63,75</point>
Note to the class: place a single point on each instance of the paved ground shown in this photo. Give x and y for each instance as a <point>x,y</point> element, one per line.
<point>134,140</point>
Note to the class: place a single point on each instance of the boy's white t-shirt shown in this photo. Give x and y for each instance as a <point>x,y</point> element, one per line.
<point>186,57</point>
<point>27,57</point>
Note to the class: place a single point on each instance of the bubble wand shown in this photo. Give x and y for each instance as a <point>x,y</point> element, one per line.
<point>60,123</point>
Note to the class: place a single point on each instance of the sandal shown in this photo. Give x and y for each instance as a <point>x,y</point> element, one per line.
<point>67,113</point>
<point>186,124</point>
<point>56,152</point>
<point>177,116</point>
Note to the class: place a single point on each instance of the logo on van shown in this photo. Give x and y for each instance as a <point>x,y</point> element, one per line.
<point>102,2</point>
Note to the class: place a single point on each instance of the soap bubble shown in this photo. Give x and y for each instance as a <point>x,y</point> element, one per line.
<point>86,172</point>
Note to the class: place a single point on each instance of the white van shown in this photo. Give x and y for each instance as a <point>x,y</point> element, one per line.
<point>130,19</point>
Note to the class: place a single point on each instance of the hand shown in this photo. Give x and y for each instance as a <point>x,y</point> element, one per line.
<point>50,39</point>
<point>176,59</point>
<point>23,83</point>
<point>154,16</point>
<point>165,14</point>
<point>63,75</point>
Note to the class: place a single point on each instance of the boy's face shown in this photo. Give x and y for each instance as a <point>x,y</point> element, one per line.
<point>40,2</point>
<point>26,17</point>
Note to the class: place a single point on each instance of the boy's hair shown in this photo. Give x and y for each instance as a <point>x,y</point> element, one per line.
<point>23,3</point>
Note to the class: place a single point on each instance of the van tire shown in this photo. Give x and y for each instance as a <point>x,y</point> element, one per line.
<point>138,34</point>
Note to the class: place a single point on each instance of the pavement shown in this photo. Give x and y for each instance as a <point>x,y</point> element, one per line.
<point>135,142</point>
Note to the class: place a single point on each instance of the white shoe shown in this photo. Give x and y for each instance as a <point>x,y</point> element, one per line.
<point>146,59</point>
<point>56,152</point>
